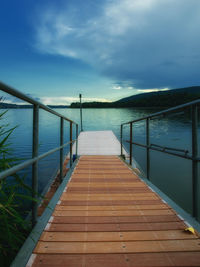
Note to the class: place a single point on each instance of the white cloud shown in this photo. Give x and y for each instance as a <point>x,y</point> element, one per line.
<point>116,87</point>
<point>63,100</point>
<point>152,90</point>
<point>151,43</point>
<point>58,100</point>
<point>47,100</point>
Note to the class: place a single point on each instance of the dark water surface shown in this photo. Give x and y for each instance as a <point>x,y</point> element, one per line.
<point>171,174</point>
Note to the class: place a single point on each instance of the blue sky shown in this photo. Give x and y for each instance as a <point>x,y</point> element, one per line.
<point>106,50</point>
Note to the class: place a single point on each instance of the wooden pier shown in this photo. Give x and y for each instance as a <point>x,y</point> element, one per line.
<point>107,216</point>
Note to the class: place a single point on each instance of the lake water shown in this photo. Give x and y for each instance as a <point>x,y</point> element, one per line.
<point>169,173</point>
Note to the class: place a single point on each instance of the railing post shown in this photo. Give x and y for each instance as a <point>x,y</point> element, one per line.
<point>147,150</point>
<point>195,182</point>
<point>121,139</point>
<point>76,141</point>
<point>70,144</point>
<point>35,165</point>
<point>131,140</point>
<point>61,150</point>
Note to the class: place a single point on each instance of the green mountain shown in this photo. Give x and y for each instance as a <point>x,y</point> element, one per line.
<point>4,105</point>
<point>168,98</point>
<point>161,99</point>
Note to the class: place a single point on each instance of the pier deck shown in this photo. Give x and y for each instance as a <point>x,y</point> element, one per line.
<point>107,217</point>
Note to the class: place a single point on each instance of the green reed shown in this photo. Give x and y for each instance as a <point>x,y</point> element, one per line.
<point>14,228</point>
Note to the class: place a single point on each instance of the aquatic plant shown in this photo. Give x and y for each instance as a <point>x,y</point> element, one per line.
<point>14,228</point>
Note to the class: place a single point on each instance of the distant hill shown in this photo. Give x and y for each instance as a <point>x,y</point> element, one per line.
<point>93,105</point>
<point>161,99</point>
<point>4,105</point>
<point>58,106</point>
<point>168,98</point>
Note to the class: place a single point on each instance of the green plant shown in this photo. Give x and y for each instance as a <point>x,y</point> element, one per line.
<point>13,191</point>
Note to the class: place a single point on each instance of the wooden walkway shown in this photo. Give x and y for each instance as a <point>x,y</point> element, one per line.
<point>108,217</point>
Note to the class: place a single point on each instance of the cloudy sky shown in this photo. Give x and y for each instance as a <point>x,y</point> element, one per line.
<point>104,49</point>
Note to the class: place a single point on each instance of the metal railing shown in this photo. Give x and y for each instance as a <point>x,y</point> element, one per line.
<point>193,106</point>
<point>35,145</point>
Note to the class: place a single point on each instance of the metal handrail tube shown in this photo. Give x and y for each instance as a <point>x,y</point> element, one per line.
<point>147,150</point>
<point>29,162</point>
<point>76,140</point>
<point>121,139</point>
<point>30,100</point>
<point>61,150</point>
<point>131,138</point>
<point>167,152</point>
<point>195,182</point>
<point>171,148</point>
<point>183,106</point>
<point>70,149</point>
<point>35,164</point>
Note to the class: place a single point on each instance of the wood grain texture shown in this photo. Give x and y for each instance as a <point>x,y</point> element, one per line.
<point>108,217</point>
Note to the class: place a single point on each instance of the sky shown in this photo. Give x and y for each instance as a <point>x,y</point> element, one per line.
<point>53,50</point>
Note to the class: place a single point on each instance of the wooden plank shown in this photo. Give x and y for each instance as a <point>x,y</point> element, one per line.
<point>106,175</point>
<point>112,213</point>
<point>115,236</point>
<point>107,196</point>
<point>105,191</point>
<point>117,247</point>
<point>110,227</point>
<point>110,202</point>
<point>92,172</point>
<point>93,184</point>
<point>80,260</point>
<point>115,219</point>
<point>131,207</point>
<point>153,197</point>
<point>133,198</point>
<point>187,259</point>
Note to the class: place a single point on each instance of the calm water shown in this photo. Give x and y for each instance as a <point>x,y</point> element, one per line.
<point>171,174</point>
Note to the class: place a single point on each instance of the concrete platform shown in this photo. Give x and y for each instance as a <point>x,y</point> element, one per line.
<point>98,143</point>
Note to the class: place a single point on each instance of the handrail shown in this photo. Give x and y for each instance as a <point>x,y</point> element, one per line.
<point>164,112</point>
<point>30,100</point>
<point>35,157</point>
<point>168,150</point>
<point>29,162</point>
